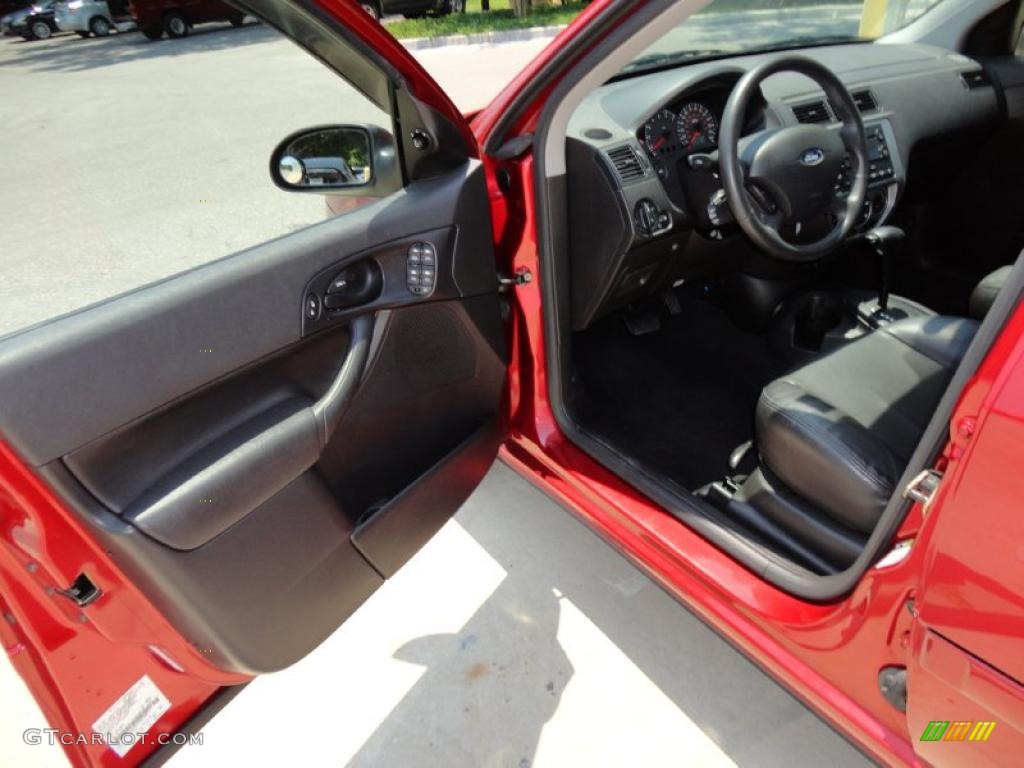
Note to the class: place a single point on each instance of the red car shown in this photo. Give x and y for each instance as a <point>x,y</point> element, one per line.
<point>177,17</point>
<point>666,285</point>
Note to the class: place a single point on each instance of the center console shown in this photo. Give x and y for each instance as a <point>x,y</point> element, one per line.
<point>885,172</point>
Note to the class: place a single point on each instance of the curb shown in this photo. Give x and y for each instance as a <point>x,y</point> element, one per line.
<point>482,38</point>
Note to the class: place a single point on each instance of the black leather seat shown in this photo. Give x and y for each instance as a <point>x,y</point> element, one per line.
<point>839,431</point>
<point>985,292</point>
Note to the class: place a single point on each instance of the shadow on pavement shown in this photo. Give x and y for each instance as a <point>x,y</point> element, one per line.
<point>477,703</point>
<point>74,54</point>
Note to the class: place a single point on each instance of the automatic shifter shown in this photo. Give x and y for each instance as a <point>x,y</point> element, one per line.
<point>887,243</point>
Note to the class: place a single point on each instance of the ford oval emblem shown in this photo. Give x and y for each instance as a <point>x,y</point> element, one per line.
<point>812,156</point>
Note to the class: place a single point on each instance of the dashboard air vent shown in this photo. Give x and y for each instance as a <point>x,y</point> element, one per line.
<point>977,79</point>
<point>626,163</point>
<point>865,101</point>
<point>812,112</point>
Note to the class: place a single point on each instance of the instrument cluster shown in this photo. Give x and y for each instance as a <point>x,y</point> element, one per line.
<point>694,128</point>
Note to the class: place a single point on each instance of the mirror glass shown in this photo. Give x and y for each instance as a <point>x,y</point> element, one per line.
<point>327,157</point>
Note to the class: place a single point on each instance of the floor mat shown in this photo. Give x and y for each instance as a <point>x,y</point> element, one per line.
<point>678,399</point>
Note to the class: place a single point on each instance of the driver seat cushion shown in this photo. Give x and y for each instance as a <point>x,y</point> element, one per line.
<point>840,430</point>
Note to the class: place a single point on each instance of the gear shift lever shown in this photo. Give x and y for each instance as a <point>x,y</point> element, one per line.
<point>887,242</point>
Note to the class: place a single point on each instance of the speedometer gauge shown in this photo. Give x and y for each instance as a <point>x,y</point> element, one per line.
<point>696,127</point>
<point>660,134</point>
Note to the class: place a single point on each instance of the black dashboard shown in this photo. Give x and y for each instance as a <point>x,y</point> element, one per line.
<point>645,201</point>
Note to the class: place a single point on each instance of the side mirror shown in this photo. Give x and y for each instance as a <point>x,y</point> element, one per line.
<point>352,160</point>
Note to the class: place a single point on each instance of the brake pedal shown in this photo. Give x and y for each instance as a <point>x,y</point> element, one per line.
<point>640,322</point>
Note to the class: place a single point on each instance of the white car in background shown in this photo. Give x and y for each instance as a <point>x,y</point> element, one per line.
<point>93,17</point>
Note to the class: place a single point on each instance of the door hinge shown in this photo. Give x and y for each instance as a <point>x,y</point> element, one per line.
<point>521,277</point>
<point>923,488</point>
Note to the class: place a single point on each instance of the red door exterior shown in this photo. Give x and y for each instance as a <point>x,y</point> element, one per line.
<point>968,643</point>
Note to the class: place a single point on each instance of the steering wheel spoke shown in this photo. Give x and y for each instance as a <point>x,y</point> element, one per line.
<point>765,205</point>
<point>839,206</point>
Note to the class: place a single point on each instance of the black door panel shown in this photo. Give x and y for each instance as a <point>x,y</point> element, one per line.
<point>261,595</point>
<point>256,470</point>
<point>73,379</point>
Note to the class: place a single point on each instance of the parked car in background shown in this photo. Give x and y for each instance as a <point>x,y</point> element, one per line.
<point>7,22</point>
<point>8,9</point>
<point>177,17</point>
<point>35,22</point>
<point>413,9</point>
<point>93,17</point>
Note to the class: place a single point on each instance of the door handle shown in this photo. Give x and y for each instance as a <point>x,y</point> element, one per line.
<point>355,285</point>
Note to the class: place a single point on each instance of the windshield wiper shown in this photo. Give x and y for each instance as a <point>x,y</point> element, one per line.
<point>657,60</point>
<point>809,40</point>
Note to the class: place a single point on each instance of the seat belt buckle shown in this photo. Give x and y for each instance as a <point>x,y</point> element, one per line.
<point>924,487</point>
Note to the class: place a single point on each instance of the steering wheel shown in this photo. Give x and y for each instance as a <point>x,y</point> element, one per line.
<point>788,175</point>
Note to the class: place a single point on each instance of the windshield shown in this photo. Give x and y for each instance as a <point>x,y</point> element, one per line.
<point>743,26</point>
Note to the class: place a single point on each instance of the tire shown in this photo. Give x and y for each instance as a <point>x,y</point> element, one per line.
<point>99,26</point>
<point>153,33</point>
<point>372,8</point>
<point>237,21</point>
<point>451,6</point>
<point>40,30</point>
<point>175,25</point>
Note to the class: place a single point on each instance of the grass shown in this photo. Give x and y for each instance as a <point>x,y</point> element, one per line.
<point>500,17</point>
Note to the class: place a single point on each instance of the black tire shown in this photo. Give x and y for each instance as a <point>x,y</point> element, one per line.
<point>371,7</point>
<point>153,33</point>
<point>40,31</point>
<point>80,33</point>
<point>451,6</point>
<point>99,26</point>
<point>237,21</point>
<point>175,25</point>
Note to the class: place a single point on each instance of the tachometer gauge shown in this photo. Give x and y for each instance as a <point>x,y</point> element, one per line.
<point>696,127</point>
<point>660,134</point>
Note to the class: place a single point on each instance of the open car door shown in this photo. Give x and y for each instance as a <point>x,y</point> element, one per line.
<point>201,479</point>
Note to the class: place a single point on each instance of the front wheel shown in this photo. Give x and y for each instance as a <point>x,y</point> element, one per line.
<point>175,25</point>
<point>451,6</point>
<point>99,26</point>
<point>153,33</point>
<point>40,30</point>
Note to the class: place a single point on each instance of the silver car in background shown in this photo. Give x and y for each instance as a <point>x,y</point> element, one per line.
<point>96,17</point>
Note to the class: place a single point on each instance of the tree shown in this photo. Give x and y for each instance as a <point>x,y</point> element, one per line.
<point>521,7</point>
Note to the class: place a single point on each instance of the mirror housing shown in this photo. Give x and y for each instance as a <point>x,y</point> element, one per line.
<point>342,160</point>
